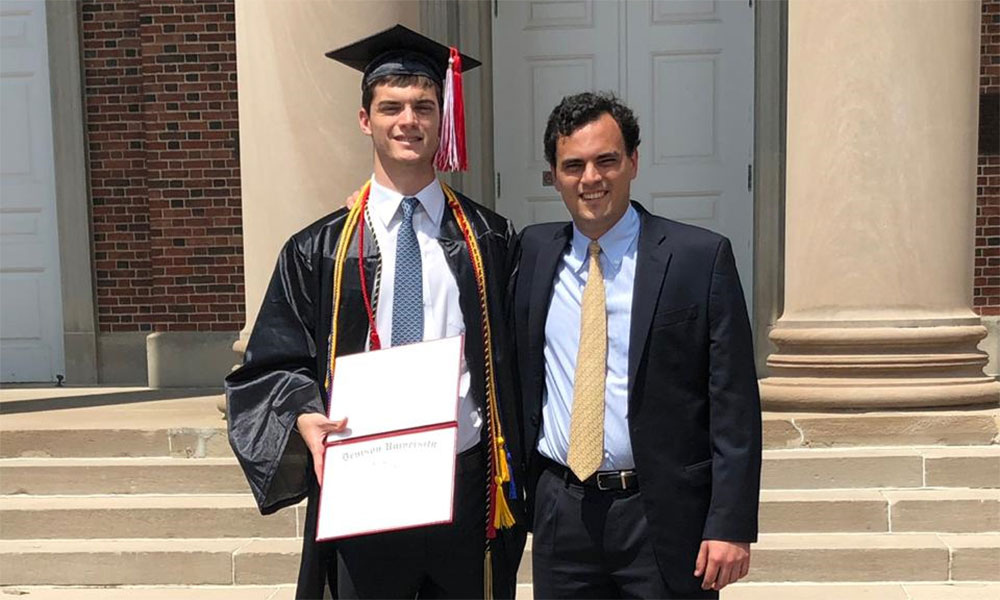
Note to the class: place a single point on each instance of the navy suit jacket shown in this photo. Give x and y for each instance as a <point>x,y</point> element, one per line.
<point>693,406</point>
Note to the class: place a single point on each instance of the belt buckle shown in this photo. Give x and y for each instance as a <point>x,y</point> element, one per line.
<point>618,476</point>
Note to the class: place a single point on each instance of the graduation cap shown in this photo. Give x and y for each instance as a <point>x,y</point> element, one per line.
<point>402,51</point>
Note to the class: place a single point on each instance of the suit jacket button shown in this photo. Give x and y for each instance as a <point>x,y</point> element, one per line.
<point>534,419</point>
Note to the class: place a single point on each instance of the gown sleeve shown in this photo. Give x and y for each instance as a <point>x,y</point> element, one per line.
<point>277,382</point>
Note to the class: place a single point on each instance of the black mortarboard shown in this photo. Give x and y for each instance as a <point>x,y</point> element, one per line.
<point>398,51</point>
<point>402,51</point>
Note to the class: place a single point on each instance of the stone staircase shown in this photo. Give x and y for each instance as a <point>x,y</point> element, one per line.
<point>134,494</point>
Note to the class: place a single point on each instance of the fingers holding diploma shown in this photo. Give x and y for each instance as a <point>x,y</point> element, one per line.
<point>313,428</point>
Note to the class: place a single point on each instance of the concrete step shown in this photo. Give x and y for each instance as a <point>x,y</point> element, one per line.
<point>956,510</point>
<point>180,442</point>
<point>742,591</point>
<point>104,421</point>
<point>821,511</point>
<point>971,427</point>
<point>861,591</point>
<point>145,592</point>
<point>962,467</point>
<point>780,432</point>
<point>140,516</point>
<point>235,515</point>
<point>188,562</point>
<point>840,557</point>
<point>800,468</point>
<point>814,558</point>
<point>969,557</point>
<point>92,422</point>
<point>925,510</point>
<point>157,475</point>
<point>974,557</point>
<point>889,591</point>
<point>898,467</point>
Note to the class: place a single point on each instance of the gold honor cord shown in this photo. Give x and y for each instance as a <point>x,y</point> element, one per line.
<point>340,257</point>
<point>499,474</point>
<point>498,512</point>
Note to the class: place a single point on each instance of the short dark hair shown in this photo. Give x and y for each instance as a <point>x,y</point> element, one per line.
<point>368,89</point>
<point>575,111</point>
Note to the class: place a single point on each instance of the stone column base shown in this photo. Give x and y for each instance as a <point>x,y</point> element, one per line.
<point>188,358</point>
<point>239,348</point>
<point>991,345</point>
<point>858,366</point>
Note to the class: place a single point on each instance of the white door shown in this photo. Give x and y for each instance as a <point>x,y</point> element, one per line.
<point>685,67</point>
<point>543,51</point>
<point>31,347</point>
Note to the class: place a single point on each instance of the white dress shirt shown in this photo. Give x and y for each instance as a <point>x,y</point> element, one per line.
<point>562,342</point>
<point>442,312</point>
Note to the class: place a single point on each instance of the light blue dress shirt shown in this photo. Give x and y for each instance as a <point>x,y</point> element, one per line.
<point>562,339</point>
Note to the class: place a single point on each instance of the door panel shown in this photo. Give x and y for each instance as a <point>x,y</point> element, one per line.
<point>685,67</point>
<point>543,51</point>
<point>31,347</point>
<point>691,82</point>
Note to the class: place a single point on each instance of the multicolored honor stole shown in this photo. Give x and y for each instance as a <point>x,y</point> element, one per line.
<point>498,512</point>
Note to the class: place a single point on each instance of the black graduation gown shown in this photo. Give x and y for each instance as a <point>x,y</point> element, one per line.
<point>284,368</point>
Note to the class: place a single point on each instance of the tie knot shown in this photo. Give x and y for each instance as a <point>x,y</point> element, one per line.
<point>409,205</point>
<point>594,248</point>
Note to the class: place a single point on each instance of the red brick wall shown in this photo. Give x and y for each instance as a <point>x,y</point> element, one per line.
<point>160,92</point>
<point>986,284</point>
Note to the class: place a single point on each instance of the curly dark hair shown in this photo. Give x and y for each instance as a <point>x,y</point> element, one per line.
<point>575,111</point>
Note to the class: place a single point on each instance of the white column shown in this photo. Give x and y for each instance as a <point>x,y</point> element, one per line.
<point>301,151</point>
<point>880,200</point>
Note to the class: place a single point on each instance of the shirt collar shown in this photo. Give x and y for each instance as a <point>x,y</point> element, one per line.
<point>614,243</point>
<point>385,202</point>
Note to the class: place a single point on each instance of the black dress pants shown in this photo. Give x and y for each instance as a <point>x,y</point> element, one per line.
<point>590,543</point>
<point>440,561</point>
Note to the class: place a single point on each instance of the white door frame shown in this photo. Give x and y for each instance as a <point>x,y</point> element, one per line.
<point>32,324</point>
<point>72,219</point>
<point>72,193</point>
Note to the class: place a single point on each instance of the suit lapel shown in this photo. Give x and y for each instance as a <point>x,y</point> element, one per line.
<point>652,261</point>
<point>549,253</point>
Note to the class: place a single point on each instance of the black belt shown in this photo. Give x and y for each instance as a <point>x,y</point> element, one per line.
<point>606,481</point>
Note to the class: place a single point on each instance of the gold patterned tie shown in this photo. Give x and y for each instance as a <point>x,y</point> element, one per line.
<point>586,430</point>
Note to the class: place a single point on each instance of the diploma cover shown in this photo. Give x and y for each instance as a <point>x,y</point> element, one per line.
<point>394,466</point>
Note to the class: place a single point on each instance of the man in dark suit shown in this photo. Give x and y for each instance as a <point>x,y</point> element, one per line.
<point>641,413</point>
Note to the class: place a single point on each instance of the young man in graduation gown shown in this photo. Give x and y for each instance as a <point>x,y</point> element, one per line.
<point>433,264</point>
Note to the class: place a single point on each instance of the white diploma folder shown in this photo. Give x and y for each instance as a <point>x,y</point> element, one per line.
<point>394,466</point>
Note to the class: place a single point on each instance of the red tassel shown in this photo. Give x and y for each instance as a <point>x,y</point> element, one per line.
<point>491,513</point>
<point>451,153</point>
<point>463,162</point>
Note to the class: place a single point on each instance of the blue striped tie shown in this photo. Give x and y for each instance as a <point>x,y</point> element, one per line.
<point>408,288</point>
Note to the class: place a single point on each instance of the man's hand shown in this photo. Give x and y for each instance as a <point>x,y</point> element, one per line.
<point>313,428</point>
<point>721,563</point>
<point>350,200</point>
